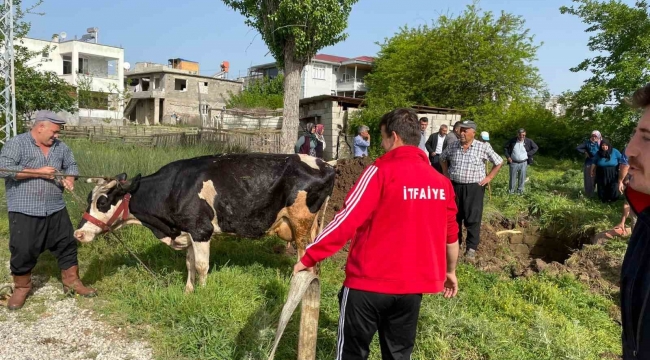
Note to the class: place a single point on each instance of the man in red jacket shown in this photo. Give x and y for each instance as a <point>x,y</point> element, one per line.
<point>401,217</point>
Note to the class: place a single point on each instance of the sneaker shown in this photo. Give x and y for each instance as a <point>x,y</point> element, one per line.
<point>470,254</point>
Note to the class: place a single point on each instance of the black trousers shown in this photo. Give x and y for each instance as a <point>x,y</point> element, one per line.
<point>363,313</point>
<point>30,236</point>
<point>435,162</point>
<point>607,181</point>
<point>469,199</point>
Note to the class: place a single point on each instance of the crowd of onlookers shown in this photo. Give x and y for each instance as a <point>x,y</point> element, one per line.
<point>605,167</point>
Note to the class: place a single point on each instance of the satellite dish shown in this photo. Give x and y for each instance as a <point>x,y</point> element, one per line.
<point>63,35</point>
<point>127,66</point>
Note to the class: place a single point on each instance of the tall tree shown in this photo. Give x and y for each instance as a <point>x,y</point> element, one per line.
<point>468,61</point>
<point>620,36</point>
<point>294,31</point>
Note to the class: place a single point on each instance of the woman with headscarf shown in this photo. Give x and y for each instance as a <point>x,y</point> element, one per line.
<point>605,171</point>
<point>306,144</point>
<point>320,145</point>
<point>589,148</point>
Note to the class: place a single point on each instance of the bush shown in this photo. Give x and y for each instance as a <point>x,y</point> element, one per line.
<point>266,93</point>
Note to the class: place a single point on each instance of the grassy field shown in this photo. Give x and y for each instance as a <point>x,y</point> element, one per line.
<point>234,316</point>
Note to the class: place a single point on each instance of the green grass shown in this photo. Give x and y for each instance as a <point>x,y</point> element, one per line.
<point>234,316</point>
<point>554,198</point>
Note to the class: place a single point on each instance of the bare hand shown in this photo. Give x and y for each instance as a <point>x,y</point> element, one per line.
<point>298,268</point>
<point>68,184</point>
<point>621,187</point>
<point>485,181</point>
<point>451,286</point>
<point>46,172</point>
<point>509,160</point>
<point>433,154</point>
<point>593,173</point>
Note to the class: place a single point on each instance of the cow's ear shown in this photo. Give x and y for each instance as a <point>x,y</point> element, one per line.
<point>121,178</point>
<point>131,185</point>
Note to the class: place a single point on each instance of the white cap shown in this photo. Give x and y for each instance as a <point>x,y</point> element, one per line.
<point>485,135</point>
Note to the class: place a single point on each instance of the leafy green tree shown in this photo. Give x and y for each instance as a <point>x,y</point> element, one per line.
<point>620,35</point>
<point>466,62</point>
<point>265,93</point>
<point>294,31</point>
<point>476,61</point>
<point>35,89</point>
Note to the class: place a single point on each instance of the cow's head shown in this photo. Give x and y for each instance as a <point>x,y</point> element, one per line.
<point>103,203</point>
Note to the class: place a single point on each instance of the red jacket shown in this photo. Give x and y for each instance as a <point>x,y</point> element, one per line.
<point>400,215</point>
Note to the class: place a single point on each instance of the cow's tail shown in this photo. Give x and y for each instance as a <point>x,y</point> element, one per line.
<point>305,287</point>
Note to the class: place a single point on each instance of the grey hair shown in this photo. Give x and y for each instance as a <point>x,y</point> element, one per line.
<point>443,126</point>
<point>363,128</point>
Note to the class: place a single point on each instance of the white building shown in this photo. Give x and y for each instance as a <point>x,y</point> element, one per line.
<point>78,61</point>
<point>326,75</point>
<point>554,106</point>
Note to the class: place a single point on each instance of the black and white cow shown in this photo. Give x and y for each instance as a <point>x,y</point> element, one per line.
<point>187,201</point>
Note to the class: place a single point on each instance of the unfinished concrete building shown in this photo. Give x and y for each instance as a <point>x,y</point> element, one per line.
<point>175,93</point>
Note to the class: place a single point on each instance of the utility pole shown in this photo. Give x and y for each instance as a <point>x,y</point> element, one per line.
<point>8,93</point>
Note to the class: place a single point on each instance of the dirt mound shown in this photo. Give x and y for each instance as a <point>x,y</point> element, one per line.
<point>347,173</point>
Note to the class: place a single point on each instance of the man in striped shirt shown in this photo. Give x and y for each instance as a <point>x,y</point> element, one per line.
<point>38,219</point>
<point>463,163</point>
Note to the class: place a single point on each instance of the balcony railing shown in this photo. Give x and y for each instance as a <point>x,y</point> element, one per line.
<point>98,74</point>
<point>351,80</point>
<point>351,84</point>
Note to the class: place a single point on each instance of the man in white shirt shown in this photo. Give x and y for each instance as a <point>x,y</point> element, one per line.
<point>435,145</point>
<point>519,152</point>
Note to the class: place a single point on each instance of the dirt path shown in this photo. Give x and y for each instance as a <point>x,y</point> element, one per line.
<point>51,326</point>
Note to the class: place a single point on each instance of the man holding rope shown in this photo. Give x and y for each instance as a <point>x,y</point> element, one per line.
<point>401,217</point>
<point>38,219</point>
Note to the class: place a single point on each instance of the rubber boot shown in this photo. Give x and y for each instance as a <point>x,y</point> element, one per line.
<point>73,285</point>
<point>22,287</point>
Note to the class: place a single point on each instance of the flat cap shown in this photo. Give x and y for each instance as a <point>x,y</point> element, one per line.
<point>468,124</point>
<point>46,115</point>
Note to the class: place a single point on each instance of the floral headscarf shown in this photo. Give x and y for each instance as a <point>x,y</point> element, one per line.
<point>599,137</point>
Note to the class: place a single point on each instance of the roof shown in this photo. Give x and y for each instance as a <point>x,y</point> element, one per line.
<point>164,69</point>
<point>181,59</point>
<point>330,58</point>
<point>436,110</point>
<point>341,99</point>
<point>325,58</point>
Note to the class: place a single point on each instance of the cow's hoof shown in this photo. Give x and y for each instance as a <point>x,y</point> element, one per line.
<point>189,289</point>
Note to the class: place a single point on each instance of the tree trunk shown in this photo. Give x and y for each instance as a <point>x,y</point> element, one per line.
<point>290,121</point>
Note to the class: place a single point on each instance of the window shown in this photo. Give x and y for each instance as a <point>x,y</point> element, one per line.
<point>83,66</point>
<point>319,72</point>
<point>67,65</point>
<point>204,108</point>
<point>205,84</point>
<point>180,84</point>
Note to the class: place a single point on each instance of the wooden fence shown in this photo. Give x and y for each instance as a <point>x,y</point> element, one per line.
<point>252,141</point>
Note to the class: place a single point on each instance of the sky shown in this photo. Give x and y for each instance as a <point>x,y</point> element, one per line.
<point>208,32</point>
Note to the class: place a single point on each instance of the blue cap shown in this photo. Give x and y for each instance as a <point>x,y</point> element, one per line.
<point>46,115</point>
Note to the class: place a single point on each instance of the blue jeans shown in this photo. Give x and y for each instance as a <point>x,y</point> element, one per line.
<point>517,171</point>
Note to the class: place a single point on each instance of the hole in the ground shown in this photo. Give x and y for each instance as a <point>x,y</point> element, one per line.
<point>548,245</point>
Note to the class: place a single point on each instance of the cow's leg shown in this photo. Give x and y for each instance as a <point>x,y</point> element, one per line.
<point>191,269</point>
<point>202,259</point>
